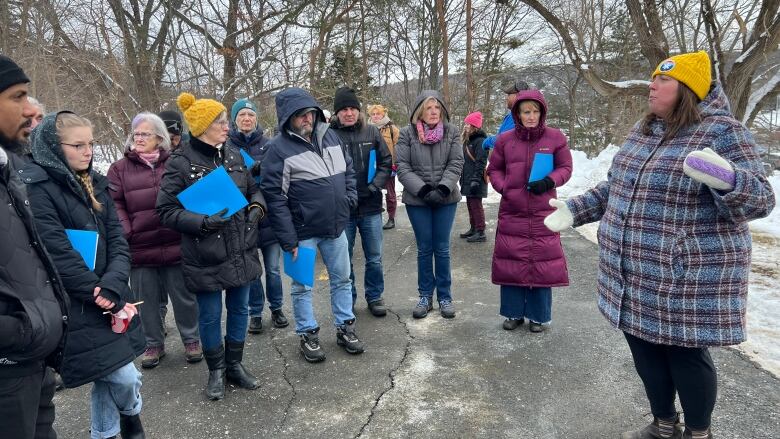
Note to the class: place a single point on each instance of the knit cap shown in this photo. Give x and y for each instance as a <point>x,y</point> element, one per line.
<point>692,69</point>
<point>10,74</point>
<point>345,97</point>
<point>240,105</point>
<point>474,119</point>
<point>199,113</point>
<point>172,121</point>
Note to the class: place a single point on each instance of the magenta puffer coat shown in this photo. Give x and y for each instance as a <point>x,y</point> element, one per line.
<point>134,185</point>
<point>526,253</point>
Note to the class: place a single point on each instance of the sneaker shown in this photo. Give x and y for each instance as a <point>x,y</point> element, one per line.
<point>422,308</point>
<point>389,224</point>
<point>478,236</point>
<point>346,338</point>
<point>535,327</point>
<point>512,324</point>
<point>468,233</point>
<point>193,353</point>
<point>310,346</point>
<point>152,356</point>
<point>446,309</point>
<point>255,325</point>
<point>278,319</point>
<point>377,308</point>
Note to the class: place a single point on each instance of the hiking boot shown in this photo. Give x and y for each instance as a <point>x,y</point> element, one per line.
<point>377,308</point>
<point>468,233</point>
<point>446,309</point>
<point>310,346</point>
<point>688,434</point>
<point>478,236</point>
<point>193,353</point>
<point>278,319</point>
<point>346,338</point>
<point>152,356</point>
<point>130,427</point>
<point>422,308</point>
<point>234,371</point>
<point>215,388</point>
<point>389,224</point>
<point>535,327</point>
<point>58,383</point>
<point>512,324</point>
<point>657,429</point>
<point>255,325</point>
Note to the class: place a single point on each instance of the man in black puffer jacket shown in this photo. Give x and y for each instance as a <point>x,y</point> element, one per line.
<point>372,163</point>
<point>33,304</point>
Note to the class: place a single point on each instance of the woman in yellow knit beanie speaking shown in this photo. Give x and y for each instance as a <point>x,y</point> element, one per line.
<point>217,253</point>
<point>674,240</point>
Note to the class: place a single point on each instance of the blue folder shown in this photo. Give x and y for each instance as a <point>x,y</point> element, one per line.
<point>249,161</point>
<point>213,193</point>
<point>371,165</point>
<point>542,166</point>
<point>302,269</point>
<point>85,242</point>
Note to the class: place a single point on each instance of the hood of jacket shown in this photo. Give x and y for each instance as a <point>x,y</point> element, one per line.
<point>289,101</point>
<point>425,94</point>
<point>47,151</point>
<point>530,95</point>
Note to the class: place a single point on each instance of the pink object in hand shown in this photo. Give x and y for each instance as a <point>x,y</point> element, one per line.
<point>120,322</point>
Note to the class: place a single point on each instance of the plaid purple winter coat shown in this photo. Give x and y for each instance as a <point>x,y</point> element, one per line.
<point>674,255</point>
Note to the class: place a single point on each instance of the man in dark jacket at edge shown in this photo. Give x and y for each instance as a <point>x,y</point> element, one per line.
<point>359,140</point>
<point>309,186</point>
<point>33,303</point>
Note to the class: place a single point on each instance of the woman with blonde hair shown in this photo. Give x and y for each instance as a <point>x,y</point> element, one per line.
<point>390,132</point>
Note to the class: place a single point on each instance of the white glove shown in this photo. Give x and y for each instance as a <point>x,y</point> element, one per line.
<point>561,219</point>
<point>707,167</point>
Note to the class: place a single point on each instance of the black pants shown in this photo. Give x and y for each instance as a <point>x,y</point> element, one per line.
<point>26,406</point>
<point>666,370</point>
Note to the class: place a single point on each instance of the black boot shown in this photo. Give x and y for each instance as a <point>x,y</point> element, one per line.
<point>235,372</point>
<point>478,236</point>
<point>215,389</point>
<point>468,233</point>
<point>130,427</point>
<point>389,224</point>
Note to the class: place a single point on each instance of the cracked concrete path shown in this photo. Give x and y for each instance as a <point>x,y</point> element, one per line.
<point>436,378</point>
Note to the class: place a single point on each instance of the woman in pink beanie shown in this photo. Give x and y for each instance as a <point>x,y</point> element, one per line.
<point>473,184</point>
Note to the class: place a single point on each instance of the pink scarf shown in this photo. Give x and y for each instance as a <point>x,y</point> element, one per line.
<point>427,135</point>
<point>150,157</point>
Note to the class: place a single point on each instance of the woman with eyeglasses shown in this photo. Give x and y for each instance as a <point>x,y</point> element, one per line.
<point>66,194</point>
<point>218,254</point>
<point>156,272</point>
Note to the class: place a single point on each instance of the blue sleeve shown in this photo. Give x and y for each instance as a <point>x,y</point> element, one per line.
<point>507,124</point>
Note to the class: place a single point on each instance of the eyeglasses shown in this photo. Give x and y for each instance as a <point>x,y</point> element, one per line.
<point>81,147</point>
<point>222,123</point>
<point>142,135</point>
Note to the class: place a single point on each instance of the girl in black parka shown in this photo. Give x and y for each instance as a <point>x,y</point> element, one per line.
<point>473,184</point>
<point>65,193</point>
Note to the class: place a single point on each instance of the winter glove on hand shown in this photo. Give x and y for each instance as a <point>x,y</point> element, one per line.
<point>256,213</point>
<point>215,222</point>
<point>255,170</point>
<point>434,198</point>
<point>708,167</point>
<point>474,186</point>
<point>425,190</point>
<point>372,189</point>
<point>539,187</point>
<point>561,219</point>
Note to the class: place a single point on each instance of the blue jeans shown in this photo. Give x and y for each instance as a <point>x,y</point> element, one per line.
<point>371,239</point>
<point>535,303</point>
<point>272,253</point>
<point>115,393</point>
<point>336,258</point>
<point>210,316</point>
<point>432,227</point>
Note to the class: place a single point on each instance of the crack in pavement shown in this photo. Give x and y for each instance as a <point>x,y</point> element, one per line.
<point>287,380</point>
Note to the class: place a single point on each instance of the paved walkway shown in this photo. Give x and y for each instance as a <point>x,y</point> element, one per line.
<point>437,378</point>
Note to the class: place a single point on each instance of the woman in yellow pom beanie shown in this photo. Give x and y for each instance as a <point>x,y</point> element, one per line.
<point>675,245</point>
<point>217,253</point>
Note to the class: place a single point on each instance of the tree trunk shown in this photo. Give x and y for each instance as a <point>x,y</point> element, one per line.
<point>471,91</point>
<point>444,50</point>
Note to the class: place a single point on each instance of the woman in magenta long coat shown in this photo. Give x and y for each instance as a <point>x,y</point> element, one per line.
<point>528,259</point>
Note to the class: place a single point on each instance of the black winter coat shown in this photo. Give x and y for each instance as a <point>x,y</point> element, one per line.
<point>358,141</point>
<point>211,261</point>
<point>33,302</point>
<point>474,163</point>
<point>58,202</point>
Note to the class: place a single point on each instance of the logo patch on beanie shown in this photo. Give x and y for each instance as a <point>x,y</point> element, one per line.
<point>666,65</point>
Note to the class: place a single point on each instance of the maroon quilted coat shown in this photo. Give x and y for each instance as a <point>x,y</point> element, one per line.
<point>133,186</point>
<point>526,252</point>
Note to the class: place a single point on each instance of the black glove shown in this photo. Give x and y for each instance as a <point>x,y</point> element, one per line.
<point>255,169</point>
<point>435,198</point>
<point>474,186</point>
<point>539,187</point>
<point>425,190</point>
<point>372,189</point>
<point>256,213</point>
<point>215,222</point>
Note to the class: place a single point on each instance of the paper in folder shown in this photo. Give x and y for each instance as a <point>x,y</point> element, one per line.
<point>249,161</point>
<point>85,242</point>
<point>542,166</point>
<point>302,269</point>
<point>371,165</point>
<point>213,193</point>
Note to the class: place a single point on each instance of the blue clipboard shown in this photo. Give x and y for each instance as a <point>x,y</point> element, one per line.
<point>249,161</point>
<point>85,242</point>
<point>302,270</point>
<point>213,193</point>
<point>371,165</point>
<point>541,167</point>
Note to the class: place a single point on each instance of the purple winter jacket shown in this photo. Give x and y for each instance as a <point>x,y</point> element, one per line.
<point>527,253</point>
<point>133,185</point>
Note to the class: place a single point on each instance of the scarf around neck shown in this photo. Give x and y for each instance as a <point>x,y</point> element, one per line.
<point>150,157</point>
<point>429,136</point>
<point>382,122</point>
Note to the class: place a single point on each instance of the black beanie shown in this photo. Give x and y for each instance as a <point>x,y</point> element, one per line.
<point>172,120</point>
<point>345,97</point>
<point>10,74</point>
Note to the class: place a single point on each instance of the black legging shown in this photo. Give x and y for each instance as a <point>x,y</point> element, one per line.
<point>666,370</point>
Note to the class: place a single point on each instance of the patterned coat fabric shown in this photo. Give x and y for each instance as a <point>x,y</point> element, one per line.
<point>674,254</point>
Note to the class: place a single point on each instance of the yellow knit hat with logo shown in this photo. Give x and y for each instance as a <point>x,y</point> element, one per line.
<point>692,69</point>
<point>199,113</point>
